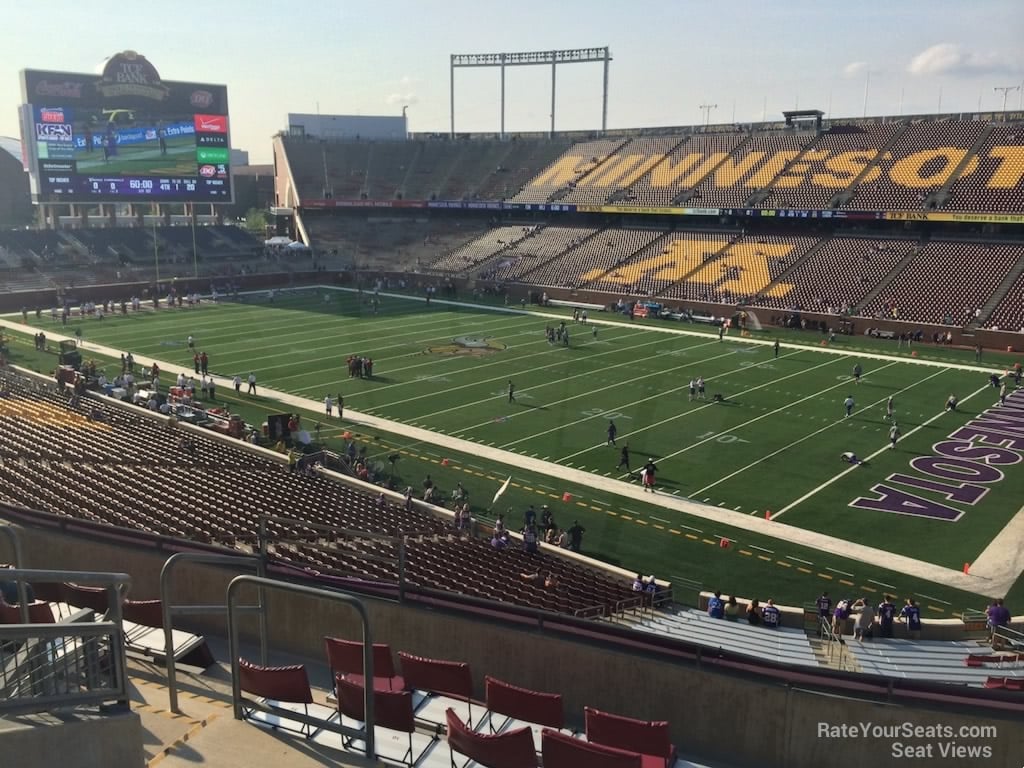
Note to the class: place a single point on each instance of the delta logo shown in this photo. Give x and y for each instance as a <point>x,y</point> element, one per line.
<point>48,115</point>
<point>207,171</point>
<point>211,123</point>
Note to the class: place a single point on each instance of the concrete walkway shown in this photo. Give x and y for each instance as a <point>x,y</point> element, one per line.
<point>997,584</point>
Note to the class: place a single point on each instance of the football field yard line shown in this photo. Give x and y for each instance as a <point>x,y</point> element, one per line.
<point>812,434</point>
<point>879,452</point>
<point>633,403</point>
<point>323,342</point>
<point>340,357</point>
<point>1003,558</point>
<point>767,413</point>
<point>531,389</point>
<point>503,377</point>
<point>838,350</point>
<point>692,411</point>
<point>613,385</point>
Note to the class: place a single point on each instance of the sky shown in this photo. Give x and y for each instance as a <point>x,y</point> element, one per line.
<point>747,58</point>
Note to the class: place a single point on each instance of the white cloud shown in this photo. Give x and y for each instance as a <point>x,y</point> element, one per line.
<point>855,68</point>
<point>954,59</point>
<point>405,99</point>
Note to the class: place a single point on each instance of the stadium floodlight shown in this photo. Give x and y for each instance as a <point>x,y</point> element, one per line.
<point>528,58</point>
<point>1005,90</point>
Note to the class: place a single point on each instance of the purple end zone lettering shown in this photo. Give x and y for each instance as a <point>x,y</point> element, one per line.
<point>901,503</point>
<point>962,492</point>
<point>961,450</point>
<point>943,466</point>
<point>988,437</point>
<point>1008,423</point>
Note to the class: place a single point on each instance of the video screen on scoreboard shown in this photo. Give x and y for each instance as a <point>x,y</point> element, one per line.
<point>127,136</point>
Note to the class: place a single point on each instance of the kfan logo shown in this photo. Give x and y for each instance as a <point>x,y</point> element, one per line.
<point>53,132</point>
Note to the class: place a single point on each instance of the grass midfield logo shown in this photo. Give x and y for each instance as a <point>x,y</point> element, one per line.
<point>476,346</point>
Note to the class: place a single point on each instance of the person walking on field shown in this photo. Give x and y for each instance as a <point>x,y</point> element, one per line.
<point>511,391</point>
<point>341,406</point>
<point>328,405</point>
<point>252,383</point>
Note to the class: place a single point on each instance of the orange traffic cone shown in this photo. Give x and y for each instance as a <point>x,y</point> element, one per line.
<point>967,567</point>
<point>723,543</point>
<point>767,514</point>
<point>444,462</point>
<point>567,497</point>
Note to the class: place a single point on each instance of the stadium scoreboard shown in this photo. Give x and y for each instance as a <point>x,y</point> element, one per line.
<point>125,135</point>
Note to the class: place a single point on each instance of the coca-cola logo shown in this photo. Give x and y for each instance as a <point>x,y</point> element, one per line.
<point>201,99</point>
<point>64,89</point>
<point>51,115</point>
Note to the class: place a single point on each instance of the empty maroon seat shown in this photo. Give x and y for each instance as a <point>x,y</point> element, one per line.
<point>1013,683</point>
<point>649,738</point>
<point>87,597</point>
<point>391,709</point>
<point>560,750</point>
<point>39,612</point>
<point>995,682</point>
<point>524,704</point>
<point>436,676</point>
<point>512,749</point>
<point>148,613</point>
<point>345,657</point>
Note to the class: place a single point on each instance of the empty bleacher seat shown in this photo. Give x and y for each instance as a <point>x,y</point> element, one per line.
<point>649,738</point>
<point>562,751</point>
<point>511,749</point>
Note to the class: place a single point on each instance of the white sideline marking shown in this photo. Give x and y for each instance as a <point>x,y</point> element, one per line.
<point>808,437</point>
<point>805,562</point>
<point>929,597</point>
<point>844,573</point>
<point>762,549</point>
<point>881,584</point>
<point>661,519</point>
<point>879,452</point>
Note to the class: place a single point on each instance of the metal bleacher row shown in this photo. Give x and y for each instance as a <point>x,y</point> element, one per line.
<point>216,493</point>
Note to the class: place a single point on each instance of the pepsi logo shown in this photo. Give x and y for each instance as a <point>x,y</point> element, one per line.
<point>207,171</point>
<point>201,99</point>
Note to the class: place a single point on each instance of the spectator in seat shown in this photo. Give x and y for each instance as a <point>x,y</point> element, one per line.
<point>638,583</point>
<point>499,541</point>
<point>716,608</point>
<point>732,609</point>
<point>499,525</point>
<point>754,613</point>
<point>771,615</point>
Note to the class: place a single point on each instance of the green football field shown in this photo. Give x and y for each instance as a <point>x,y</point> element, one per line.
<point>144,158</point>
<point>773,443</point>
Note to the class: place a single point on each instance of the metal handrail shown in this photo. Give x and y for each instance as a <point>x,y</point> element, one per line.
<point>12,535</point>
<point>117,587</point>
<point>262,583</point>
<point>170,611</point>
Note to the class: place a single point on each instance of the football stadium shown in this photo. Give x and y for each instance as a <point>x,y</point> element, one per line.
<point>680,446</point>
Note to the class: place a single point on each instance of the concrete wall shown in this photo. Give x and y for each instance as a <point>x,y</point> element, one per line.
<point>71,740</point>
<point>741,717</point>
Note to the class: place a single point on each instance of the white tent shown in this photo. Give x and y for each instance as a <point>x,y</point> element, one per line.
<point>279,240</point>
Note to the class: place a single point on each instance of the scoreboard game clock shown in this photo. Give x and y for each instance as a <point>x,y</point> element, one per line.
<point>125,136</point>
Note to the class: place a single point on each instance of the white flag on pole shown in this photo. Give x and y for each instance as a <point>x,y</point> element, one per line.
<point>504,487</point>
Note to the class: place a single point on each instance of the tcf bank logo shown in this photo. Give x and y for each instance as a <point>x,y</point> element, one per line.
<point>48,115</point>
